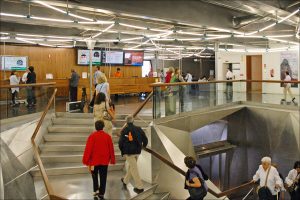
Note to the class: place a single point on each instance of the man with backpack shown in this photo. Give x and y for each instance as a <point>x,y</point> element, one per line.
<point>131,141</point>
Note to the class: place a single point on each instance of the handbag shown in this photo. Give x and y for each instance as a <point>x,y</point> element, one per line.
<point>264,192</point>
<point>106,115</point>
<point>292,187</point>
<point>198,192</point>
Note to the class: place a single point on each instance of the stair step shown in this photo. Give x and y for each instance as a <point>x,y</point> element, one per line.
<point>61,146</point>
<point>69,137</point>
<point>159,196</point>
<point>147,192</point>
<point>90,122</point>
<point>69,157</point>
<point>54,169</point>
<point>82,115</point>
<point>90,115</point>
<point>77,129</point>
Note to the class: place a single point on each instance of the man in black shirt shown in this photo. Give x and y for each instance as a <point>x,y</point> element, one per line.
<point>73,85</point>
<point>31,79</point>
<point>131,142</point>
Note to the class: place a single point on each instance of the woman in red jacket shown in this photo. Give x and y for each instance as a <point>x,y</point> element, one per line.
<point>169,75</point>
<point>98,153</point>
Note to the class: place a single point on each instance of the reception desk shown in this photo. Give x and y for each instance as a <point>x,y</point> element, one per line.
<point>117,86</point>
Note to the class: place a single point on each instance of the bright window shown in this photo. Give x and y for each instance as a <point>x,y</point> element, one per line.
<point>146,68</point>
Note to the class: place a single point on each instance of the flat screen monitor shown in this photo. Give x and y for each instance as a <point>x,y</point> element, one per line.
<point>134,58</point>
<point>83,57</point>
<point>113,57</point>
<point>9,63</point>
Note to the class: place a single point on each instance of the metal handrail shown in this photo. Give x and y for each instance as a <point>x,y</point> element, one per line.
<point>220,81</point>
<point>136,112</point>
<point>28,85</point>
<point>48,186</point>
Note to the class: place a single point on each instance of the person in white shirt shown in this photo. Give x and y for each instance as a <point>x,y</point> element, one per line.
<point>273,183</point>
<point>24,77</point>
<point>229,76</point>
<point>188,78</point>
<point>14,80</point>
<point>293,181</point>
<point>287,87</point>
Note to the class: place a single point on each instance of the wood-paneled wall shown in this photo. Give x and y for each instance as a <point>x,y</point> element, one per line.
<point>58,61</point>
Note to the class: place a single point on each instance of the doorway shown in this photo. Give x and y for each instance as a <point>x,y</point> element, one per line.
<point>254,72</point>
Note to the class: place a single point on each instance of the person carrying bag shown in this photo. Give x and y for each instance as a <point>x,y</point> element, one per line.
<point>264,192</point>
<point>194,181</point>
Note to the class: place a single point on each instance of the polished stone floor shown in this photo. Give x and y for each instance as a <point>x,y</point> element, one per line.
<point>80,186</point>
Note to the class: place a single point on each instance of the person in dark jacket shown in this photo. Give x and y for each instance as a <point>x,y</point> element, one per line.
<point>73,85</point>
<point>131,141</point>
<point>31,79</point>
<point>98,153</point>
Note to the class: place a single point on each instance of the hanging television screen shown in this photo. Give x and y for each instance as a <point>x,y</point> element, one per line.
<point>83,57</point>
<point>113,57</point>
<point>134,58</point>
<point>9,63</point>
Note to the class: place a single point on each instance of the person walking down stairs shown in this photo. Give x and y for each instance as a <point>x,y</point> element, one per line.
<point>98,153</point>
<point>131,141</point>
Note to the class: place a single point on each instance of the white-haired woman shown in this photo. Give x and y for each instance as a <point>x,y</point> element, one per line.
<point>103,86</point>
<point>269,180</point>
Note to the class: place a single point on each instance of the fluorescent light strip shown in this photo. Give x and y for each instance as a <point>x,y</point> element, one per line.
<point>80,17</point>
<point>59,40</point>
<point>12,15</point>
<point>97,22</point>
<point>5,38</point>
<point>189,39</point>
<point>62,11</point>
<point>3,33</point>
<point>51,19</point>
<point>290,15</point>
<point>173,52</point>
<point>46,45</point>
<point>158,30</point>
<point>251,33</point>
<point>189,33</point>
<point>52,7</point>
<point>278,36</point>
<point>130,39</point>
<point>66,46</point>
<point>214,38</point>
<point>194,48</point>
<point>284,41</point>
<point>133,49</point>
<point>163,39</point>
<point>107,41</point>
<point>267,27</point>
<point>133,26</point>
<point>32,39</point>
<point>109,27</point>
<point>26,41</point>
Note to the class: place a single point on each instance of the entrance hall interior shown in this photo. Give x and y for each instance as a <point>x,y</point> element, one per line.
<point>214,80</point>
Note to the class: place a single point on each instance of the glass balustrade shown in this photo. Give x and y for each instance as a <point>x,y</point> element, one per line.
<point>178,98</point>
<point>28,99</point>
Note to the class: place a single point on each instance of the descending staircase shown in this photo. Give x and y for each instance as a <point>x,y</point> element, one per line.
<point>63,146</point>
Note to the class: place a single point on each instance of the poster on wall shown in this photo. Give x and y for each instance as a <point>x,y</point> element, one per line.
<point>83,57</point>
<point>10,63</point>
<point>289,61</point>
<point>134,58</point>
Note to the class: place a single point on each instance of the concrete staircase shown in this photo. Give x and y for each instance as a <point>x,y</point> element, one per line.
<point>63,147</point>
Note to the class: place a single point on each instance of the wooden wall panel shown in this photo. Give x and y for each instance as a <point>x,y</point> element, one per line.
<point>58,61</point>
